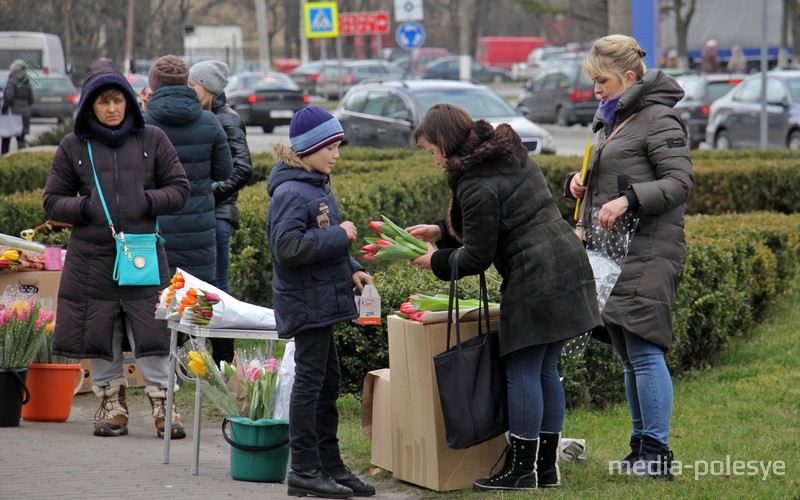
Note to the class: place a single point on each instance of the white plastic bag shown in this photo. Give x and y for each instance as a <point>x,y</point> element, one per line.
<point>285,384</point>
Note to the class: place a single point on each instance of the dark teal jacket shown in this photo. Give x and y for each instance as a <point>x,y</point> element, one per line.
<point>202,147</point>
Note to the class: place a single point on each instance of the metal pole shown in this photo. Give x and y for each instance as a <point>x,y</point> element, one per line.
<point>763,128</point>
<point>464,67</point>
<point>129,37</point>
<point>263,35</point>
<point>303,39</point>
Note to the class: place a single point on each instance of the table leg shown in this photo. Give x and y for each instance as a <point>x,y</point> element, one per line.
<point>173,359</point>
<point>198,411</point>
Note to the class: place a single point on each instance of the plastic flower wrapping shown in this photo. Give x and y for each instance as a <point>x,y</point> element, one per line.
<point>18,254</point>
<point>607,251</point>
<point>248,387</point>
<point>433,308</point>
<point>195,302</point>
<point>24,319</point>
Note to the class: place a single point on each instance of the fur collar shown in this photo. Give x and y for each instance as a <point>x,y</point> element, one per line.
<point>283,153</point>
<point>486,152</point>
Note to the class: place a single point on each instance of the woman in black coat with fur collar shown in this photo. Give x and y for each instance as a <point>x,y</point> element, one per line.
<point>502,213</point>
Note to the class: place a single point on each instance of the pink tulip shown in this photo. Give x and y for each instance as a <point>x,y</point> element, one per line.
<point>377,225</point>
<point>272,365</point>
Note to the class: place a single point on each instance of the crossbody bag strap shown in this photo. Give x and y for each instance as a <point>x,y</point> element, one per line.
<point>99,189</point>
<point>102,198</point>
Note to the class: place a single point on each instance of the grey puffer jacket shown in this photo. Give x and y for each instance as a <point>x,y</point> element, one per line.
<point>503,213</point>
<point>312,270</point>
<point>650,156</point>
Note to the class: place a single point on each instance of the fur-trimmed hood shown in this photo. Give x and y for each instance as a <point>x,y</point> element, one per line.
<point>486,152</point>
<point>290,167</point>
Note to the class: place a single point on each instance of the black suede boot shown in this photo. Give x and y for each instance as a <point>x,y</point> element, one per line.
<point>519,470</point>
<point>317,483</point>
<point>624,466</point>
<point>548,474</point>
<point>655,460</point>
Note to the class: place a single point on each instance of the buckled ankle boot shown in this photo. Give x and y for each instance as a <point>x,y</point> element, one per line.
<point>111,419</point>
<point>317,483</point>
<point>624,466</point>
<point>655,460</point>
<point>158,406</point>
<point>548,474</point>
<point>519,470</point>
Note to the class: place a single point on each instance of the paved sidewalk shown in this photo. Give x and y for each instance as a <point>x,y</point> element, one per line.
<point>42,460</point>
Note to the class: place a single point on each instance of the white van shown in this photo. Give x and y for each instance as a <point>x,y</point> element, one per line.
<point>43,48</point>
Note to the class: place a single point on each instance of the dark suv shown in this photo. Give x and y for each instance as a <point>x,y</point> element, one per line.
<point>561,93</point>
<point>700,91</point>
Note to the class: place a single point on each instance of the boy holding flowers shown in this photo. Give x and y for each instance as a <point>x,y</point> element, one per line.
<point>312,288</point>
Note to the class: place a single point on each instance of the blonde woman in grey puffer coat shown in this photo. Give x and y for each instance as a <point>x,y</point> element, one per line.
<point>646,170</point>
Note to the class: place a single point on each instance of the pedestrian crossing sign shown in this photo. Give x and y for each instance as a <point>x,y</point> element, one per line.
<point>322,19</point>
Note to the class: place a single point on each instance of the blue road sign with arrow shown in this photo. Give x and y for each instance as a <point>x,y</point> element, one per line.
<point>410,35</point>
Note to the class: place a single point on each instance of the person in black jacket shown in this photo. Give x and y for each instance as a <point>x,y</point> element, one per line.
<point>18,98</point>
<point>502,214</point>
<point>312,287</point>
<point>208,79</point>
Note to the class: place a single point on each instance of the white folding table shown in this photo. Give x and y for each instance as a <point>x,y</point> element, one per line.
<point>195,331</point>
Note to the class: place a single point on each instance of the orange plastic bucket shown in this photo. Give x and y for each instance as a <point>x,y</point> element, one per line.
<point>52,387</point>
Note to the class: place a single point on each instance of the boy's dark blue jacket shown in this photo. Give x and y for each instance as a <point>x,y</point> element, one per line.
<point>312,270</point>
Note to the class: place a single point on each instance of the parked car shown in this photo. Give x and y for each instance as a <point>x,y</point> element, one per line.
<point>560,93</point>
<point>306,75</point>
<point>3,80</point>
<point>336,78</point>
<point>138,82</point>
<point>449,68</point>
<point>265,100</point>
<point>385,114</point>
<point>700,91</point>
<point>54,96</point>
<point>538,57</point>
<point>735,119</point>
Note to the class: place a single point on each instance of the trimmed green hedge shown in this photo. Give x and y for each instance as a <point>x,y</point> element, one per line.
<point>737,266</point>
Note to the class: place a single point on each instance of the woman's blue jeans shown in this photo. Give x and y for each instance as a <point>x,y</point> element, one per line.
<point>535,395</point>
<point>648,384</point>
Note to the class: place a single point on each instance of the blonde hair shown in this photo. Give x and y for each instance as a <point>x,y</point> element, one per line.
<point>613,56</point>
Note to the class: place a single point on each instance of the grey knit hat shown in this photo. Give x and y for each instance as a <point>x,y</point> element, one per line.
<point>212,75</point>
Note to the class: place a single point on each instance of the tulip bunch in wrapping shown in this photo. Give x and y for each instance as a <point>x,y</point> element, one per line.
<point>197,306</point>
<point>418,304</point>
<point>395,243</point>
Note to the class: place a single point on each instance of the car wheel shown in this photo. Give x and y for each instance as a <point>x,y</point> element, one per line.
<point>267,128</point>
<point>794,140</point>
<point>497,79</point>
<point>562,117</point>
<point>722,141</point>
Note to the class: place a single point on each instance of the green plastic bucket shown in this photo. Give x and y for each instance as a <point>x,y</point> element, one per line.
<point>259,449</point>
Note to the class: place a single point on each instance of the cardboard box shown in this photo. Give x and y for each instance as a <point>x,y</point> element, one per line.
<point>376,416</point>
<point>419,450</point>
<point>45,283</point>
<point>132,373</point>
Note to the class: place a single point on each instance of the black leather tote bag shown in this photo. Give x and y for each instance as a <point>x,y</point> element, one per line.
<point>471,379</point>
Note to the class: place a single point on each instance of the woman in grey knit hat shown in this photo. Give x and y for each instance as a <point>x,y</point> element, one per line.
<point>208,79</point>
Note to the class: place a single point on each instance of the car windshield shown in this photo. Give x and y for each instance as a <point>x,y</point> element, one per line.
<point>478,103</point>
<point>269,82</point>
<point>718,89</point>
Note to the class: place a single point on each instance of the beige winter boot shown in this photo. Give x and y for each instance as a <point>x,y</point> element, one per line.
<point>158,403</point>
<point>111,419</point>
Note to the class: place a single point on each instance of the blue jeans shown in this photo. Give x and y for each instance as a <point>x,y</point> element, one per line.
<point>535,395</point>
<point>648,384</point>
<point>222,349</point>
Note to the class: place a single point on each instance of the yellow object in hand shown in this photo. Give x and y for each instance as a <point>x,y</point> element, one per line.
<point>587,155</point>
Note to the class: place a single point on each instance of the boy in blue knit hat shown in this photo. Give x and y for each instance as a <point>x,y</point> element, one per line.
<point>313,276</point>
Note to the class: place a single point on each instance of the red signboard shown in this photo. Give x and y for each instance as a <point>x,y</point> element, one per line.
<point>364,23</point>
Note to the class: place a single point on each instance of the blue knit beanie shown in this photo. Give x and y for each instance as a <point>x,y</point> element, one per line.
<point>312,129</point>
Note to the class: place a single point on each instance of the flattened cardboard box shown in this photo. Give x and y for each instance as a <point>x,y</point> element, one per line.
<point>419,449</point>
<point>132,372</point>
<point>376,416</point>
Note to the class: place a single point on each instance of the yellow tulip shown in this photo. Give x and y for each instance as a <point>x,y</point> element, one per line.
<point>199,368</point>
<point>10,255</point>
<point>194,356</point>
<point>50,327</point>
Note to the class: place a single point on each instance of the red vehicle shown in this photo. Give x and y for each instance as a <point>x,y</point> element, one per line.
<point>504,51</point>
